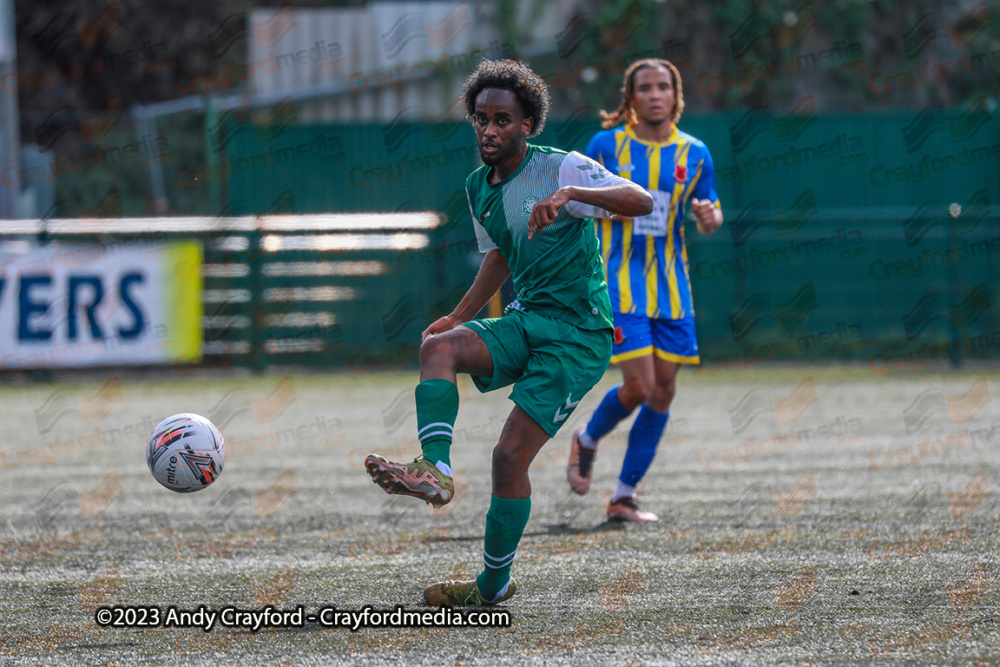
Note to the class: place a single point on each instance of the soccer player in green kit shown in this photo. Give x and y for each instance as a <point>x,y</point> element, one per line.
<point>532,210</point>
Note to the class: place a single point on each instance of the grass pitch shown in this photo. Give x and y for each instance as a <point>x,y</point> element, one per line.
<point>809,516</point>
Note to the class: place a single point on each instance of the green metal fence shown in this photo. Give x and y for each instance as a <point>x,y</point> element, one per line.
<point>871,237</point>
<point>853,236</point>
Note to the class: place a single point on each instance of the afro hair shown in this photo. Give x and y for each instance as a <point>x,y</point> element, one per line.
<point>515,76</point>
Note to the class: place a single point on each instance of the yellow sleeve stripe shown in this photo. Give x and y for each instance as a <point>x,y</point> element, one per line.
<point>687,196</point>
<point>684,255</point>
<point>694,181</point>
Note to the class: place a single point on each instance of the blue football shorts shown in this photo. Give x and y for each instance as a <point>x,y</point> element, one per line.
<point>670,340</point>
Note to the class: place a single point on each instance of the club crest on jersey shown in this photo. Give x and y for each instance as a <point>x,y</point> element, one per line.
<point>680,173</point>
<point>528,204</point>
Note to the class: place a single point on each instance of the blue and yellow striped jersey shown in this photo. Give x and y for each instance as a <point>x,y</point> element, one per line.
<point>645,259</point>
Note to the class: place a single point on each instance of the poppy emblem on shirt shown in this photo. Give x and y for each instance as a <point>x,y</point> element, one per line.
<point>680,173</point>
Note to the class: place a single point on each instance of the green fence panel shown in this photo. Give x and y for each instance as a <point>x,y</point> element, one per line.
<point>864,236</point>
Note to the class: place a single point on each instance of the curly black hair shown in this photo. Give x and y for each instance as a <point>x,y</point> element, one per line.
<point>515,76</point>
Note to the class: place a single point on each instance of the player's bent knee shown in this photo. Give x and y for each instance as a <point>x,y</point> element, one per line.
<point>436,348</point>
<point>667,392</point>
<point>510,460</point>
<point>662,396</point>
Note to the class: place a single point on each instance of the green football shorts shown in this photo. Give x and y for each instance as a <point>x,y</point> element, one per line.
<point>551,363</point>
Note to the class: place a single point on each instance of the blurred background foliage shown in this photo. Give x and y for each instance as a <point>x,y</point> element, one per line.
<point>850,56</point>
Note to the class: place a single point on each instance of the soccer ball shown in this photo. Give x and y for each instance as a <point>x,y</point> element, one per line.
<point>186,453</point>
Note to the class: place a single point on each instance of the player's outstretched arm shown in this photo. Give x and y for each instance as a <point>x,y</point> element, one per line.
<point>492,274</point>
<point>622,199</point>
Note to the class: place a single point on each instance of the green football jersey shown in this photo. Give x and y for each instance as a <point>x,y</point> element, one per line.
<point>559,272</point>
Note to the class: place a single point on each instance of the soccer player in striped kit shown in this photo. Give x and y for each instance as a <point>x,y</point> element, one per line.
<point>647,274</point>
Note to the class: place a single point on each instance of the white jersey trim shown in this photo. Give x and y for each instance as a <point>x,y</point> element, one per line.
<point>482,237</point>
<point>580,171</point>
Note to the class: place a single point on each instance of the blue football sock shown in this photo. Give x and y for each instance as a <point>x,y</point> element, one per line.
<point>642,442</point>
<point>607,415</point>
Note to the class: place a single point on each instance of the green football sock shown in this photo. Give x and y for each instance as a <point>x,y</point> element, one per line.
<point>437,408</point>
<point>505,522</point>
